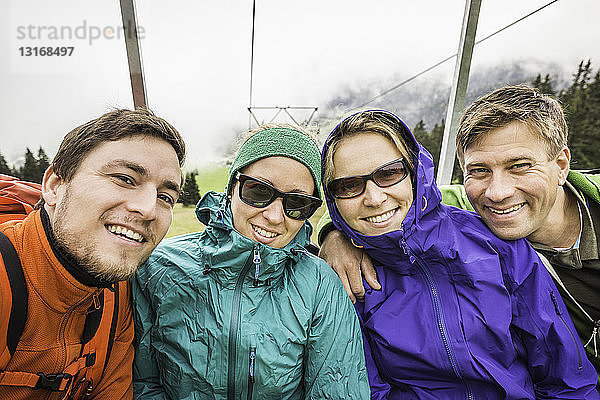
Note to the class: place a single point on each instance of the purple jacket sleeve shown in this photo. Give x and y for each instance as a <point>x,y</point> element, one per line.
<point>543,330</point>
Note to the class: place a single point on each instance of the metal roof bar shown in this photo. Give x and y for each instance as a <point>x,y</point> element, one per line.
<point>134,56</point>
<point>456,102</point>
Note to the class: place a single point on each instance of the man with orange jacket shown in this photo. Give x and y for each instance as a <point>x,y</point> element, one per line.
<point>107,201</point>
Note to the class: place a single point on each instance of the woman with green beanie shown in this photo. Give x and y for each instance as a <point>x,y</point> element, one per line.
<point>242,310</point>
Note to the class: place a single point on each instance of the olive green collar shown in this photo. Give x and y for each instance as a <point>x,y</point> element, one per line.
<point>588,247</point>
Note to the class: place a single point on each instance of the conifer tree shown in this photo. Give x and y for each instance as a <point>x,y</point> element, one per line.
<point>420,130</point>
<point>544,85</point>
<point>29,171</point>
<point>4,168</point>
<point>428,140</point>
<point>437,134</point>
<point>592,122</point>
<point>43,161</point>
<point>190,193</point>
<point>578,111</point>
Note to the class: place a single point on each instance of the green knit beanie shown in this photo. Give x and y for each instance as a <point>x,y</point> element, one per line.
<point>284,142</point>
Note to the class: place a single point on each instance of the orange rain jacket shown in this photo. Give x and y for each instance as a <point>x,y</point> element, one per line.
<point>57,305</point>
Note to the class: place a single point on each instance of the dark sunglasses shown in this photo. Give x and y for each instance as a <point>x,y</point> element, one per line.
<point>352,186</point>
<point>259,194</point>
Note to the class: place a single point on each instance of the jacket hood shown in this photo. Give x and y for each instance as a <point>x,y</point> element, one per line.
<point>224,247</point>
<point>425,192</point>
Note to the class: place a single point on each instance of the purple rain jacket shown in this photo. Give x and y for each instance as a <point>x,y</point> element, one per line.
<point>463,314</point>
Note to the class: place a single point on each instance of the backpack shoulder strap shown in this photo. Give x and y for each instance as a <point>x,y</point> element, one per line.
<point>101,336</point>
<point>115,319</point>
<point>14,303</point>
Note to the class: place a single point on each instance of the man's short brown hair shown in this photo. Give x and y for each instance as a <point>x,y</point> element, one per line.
<point>112,126</point>
<point>542,114</point>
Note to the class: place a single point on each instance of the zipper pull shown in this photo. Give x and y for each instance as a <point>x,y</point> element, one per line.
<point>95,302</point>
<point>257,261</point>
<point>89,388</point>
<point>221,213</point>
<point>252,360</point>
<point>403,244</point>
<point>594,338</point>
<point>556,308</point>
<point>406,250</point>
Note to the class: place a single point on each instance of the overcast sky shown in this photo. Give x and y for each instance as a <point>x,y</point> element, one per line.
<point>196,57</point>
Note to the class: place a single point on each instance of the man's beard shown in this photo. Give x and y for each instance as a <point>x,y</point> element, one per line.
<point>86,257</point>
<point>86,254</point>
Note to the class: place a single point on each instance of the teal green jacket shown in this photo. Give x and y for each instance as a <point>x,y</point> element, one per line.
<point>219,316</point>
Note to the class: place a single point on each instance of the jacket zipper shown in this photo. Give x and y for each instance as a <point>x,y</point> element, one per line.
<point>234,323</point>
<point>559,313</point>
<point>251,368</point>
<point>438,313</point>
<point>64,322</point>
<point>68,314</point>
<point>556,278</point>
<point>256,261</point>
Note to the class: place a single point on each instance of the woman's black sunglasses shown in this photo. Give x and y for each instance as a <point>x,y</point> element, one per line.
<point>257,193</point>
<point>353,186</point>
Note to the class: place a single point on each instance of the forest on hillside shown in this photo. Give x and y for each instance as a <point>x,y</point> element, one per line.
<point>580,99</point>
<point>581,102</point>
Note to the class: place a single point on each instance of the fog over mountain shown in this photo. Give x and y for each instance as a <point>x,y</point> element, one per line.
<point>426,98</point>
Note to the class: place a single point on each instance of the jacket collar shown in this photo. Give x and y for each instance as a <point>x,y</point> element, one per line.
<point>58,288</point>
<point>588,247</point>
<point>225,249</point>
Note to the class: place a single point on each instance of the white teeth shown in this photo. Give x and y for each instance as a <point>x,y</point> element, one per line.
<point>128,233</point>
<point>264,233</point>
<point>514,208</point>
<point>381,217</point>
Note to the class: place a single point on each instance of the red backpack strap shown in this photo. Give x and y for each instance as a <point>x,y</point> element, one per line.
<point>14,300</point>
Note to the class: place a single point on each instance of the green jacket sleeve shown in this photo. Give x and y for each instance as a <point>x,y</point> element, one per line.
<point>146,378</point>
<point>587,183</point>
<point>452,195</point>
<point>334,358</point>
<point>324,226</point>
